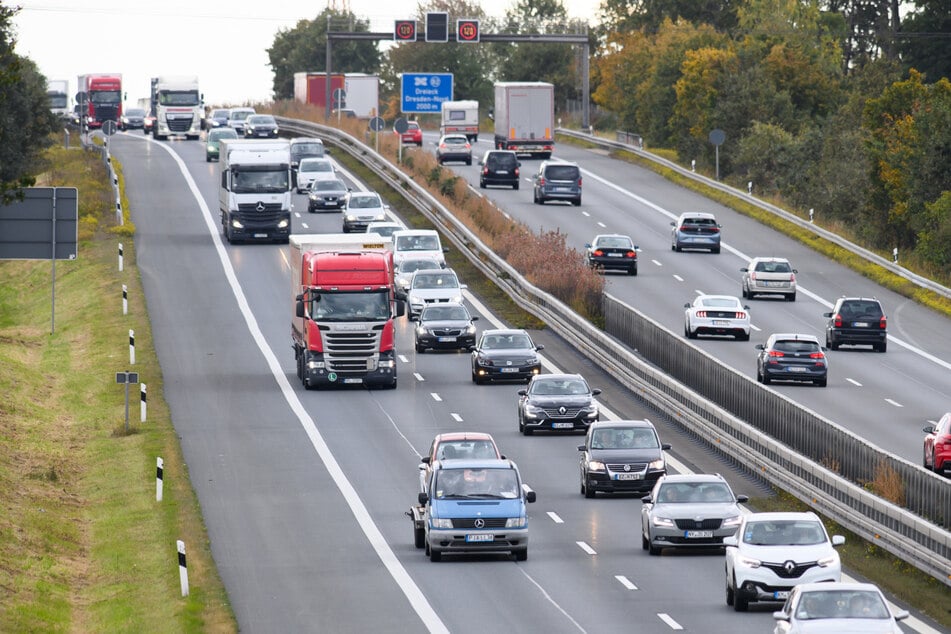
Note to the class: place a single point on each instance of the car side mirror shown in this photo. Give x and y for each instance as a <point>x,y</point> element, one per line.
<point>529,494</point>
<point>687,305</point>
<point>900,615</point>
<point>795,271</point>
<point>665,446</point>
<point>780,616</point>
<point>474,318</point>
<point>758,346</point>
<point>673,224</point>
<point>595,391</point>
<point>423,498</point>
<point>829,315</point>
<point>746,307</point>
<point>587,246</point>
<point>928,429</point>
<point>838,540</point>
<point>727,541</point>
<point>425,460</point>
<point>745,270</point>
<point>539,348</point>
<point>742,498</point>
<point>647,499</point>
<point>581,447</point>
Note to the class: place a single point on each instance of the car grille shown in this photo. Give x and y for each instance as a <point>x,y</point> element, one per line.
<point>347,351</point>
<point>797,571</point>
<point>469,522</point>
<point>554,412</point>
<point>447,332</point>
<point>710,524</point>
<point>634,466</point>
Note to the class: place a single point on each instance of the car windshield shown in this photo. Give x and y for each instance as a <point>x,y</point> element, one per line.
<point>623,438</point>
<point>796,346</point>
<point>307,149</point>
<point>329,186</point>
<point>773,267</point>
<point>222,133</point>
<point>455,140</point>
<point>702,222</point>
<point>860,310</point>
<point>219,114</point>
<point>435,280</point>
<point>261,119</point>
<point>364,202</point>
<point>240,115</point>
<point>841,604</point>
<point>466,449</point>
<point>347,306</point>
<point>316,166</point>
<point>501,161</point>
<point>135,112</point>
<point>559,387</point>
<point>783,533</point>
<point>613,243</point>
<point>694,492</point>
<point>444,313</point>
<point>476,483</point>
<point>417,243</point>
<point>506,342</point>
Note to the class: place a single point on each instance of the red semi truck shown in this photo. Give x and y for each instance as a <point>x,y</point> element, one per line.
<point>344,309</point>
<point>103,97</point>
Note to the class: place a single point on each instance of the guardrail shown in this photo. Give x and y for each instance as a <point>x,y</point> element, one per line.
<point>634,148</point>
<point>897,530</point>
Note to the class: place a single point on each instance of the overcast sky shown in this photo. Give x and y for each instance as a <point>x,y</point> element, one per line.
<point>223,42</point>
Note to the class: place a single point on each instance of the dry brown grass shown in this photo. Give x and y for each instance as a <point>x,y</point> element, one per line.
<point>887,484</point>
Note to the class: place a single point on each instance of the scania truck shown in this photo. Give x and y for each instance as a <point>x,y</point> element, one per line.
<point>177,105</point>
<point>102,98</point>
<point>344,308</point>
<point>254,189</point>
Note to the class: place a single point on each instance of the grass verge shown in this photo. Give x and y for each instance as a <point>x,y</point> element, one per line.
<point>84,546</point>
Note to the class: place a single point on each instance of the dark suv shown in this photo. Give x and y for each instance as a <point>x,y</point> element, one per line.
<point>556,402</point>
<point>857,321</point>
<point>499,167</point>
<point>558,181</point>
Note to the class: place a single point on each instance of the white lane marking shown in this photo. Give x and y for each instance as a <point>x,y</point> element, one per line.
<point>657,262</point>
<point>625,582</point>
<point>419,377</point>
<point>588,549</point>
<point>436,397</point>
<point>602,225</point>
<point>895,403</point>
<point>304,225</point>
<point>853,382</point>
<point>585,213</point>
<point>554,517</point>
<point>361,514</point>
<point>456,417</point>
<point>757,329</point>
<point>403,358</point>
<point>678,278</point>
<point>550,600</point>
<point>674,625</point>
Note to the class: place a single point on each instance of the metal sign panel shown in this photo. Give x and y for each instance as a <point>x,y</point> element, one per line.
<point>27,226</point>
<point>425,92</point>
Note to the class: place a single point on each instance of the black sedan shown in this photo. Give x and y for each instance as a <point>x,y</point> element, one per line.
<point>505,355</point>
<point>556,402</point>
<point>792,357</point>
<point>327,194</point>
<point>445,326</point>
<point>621,457</point>
<point>260,126</point>
<point>132,119</point>
<point>612,252</point>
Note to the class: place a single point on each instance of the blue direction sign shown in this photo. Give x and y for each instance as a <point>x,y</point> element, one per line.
<point>425,92</point>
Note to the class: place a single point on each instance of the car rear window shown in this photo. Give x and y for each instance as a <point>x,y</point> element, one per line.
<point>702,222</point>
<point>773,267</point>
<point>501,161</point>
<point>562,172</point>
<point>796,346</point>
<point>857,308</point>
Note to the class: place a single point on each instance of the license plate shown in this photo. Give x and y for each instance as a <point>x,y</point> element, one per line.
<point>561,189</point>
<point>860,324</point>
<point>781,594</point>
<point>720,322</point>
<point>562,425</point>
<point>698,534</point>
<point>796,368</point>
<point>480,538</point>
<point>260,235</point>
<point>502,172</point>
<point>353,380</point>
<point>628,476</point>
<point>447,339</point>
<point>507,370</point>
<point>615,255</point>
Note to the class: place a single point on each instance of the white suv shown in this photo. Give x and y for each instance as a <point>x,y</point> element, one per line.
<point>773,552</point>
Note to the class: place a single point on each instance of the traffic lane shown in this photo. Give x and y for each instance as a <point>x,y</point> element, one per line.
<point>261,491</point>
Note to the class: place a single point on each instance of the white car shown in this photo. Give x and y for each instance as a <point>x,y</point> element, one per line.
<point>362,209</point>
<point>385,228</point>
<point>314,169</point>
<point>769,276</point>
<point>771,553</point>
<point>835,608</point>
<point>418,243</point>
<point>717,315</point>
<point>430,286</point>
<point>404,269</point>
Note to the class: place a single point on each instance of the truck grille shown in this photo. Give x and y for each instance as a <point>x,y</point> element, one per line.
<point>107,113</point>
<point>350,351</point>
<point>179,123</point>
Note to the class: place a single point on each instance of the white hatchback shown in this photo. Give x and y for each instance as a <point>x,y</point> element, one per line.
<point>314,169</point>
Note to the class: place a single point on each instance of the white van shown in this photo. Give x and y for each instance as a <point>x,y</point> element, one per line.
<point>418,243</point>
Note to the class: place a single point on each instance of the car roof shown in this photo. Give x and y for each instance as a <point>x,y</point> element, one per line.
<point>319,159</point>
<point>384,223</point>
<point>463,435</point>
<point>693,477</point>
<point>557,377</point>
<point>306,139</point>
<point>792,336</point>
<point>621,423</point>
<point>416,232</point>
<point>732,297</point>
<point>697,214</point>
<point>479,463</point>
<point>781,515</point>
<point>505,331</point>
<point>454,135</point>
<point>838,585</point>
<point>610,235</point>
<point>765,258</point>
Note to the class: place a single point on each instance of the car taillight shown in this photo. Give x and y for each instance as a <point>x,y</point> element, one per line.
<point>516,171</point>
<point>837,320</point>
<point>881,323</point>
<point>776,353</point>
<point>683,227</point>
<point>631,254</point>
<point>442,146</point>
<point>541,181</point>
<point>792,277</point>
<point>753,275</point>
<point>598,252</point>
<point>485,171</point>
<point>817,355</point>
<point>715,230</point>
<point>702,314</point>
<point>579,181</point>
<point>740,315</point>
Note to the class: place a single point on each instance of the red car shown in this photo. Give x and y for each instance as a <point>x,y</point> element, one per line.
<point>413,134</point>
<point>455,445</point>
<point>937,448</point>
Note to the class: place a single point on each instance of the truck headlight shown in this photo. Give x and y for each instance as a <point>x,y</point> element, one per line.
<point>315,365</point>
<point>283,223</point>
<point>516,522</point>
<point>236,223</point>
<point>438,522</point>
<point>386,363</point>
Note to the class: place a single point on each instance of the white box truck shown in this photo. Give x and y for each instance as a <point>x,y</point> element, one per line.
<point>362,94</point>
<point>179,107</point>
<point>525,117</point>
<point>460,117</point>
<point>254,189</point>
<point>58,92</point>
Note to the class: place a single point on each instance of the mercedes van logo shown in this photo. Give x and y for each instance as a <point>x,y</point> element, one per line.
<point>260,206</point>
<point>480,523</point>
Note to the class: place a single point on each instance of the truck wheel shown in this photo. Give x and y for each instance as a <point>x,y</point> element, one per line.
<point>521,554</point>
<point>419,537</point>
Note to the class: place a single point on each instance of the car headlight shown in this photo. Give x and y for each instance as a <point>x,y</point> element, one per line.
<point>438,522</point>
<point>533,411</point>
<point>596,465</point>
<point>664,522</point>
<point>471,330</point>
<point>749,562</point>
<point>731,521</point>
<point>516,522</point>
<point>656,465</point>
<point>533,360</point>
<point>828,561</point>
<point>351,218</point>
<point>422,332</point>
<point>457,298</point>
<point>590,410</point>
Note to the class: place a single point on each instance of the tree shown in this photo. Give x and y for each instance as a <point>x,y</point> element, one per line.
<point>925,42</point>
<point>26,122</point>
<point>304,49</point>
<point>648,15</point>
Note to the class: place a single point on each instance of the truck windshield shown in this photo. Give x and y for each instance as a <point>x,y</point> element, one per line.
<point>476,483</point>
<point>249,182</point>
<point>178,98</point>
<point>58,101</point>
<point>104,96</point>
<point>352,306</point>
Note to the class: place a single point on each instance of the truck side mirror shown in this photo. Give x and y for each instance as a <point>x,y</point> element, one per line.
<point>300,308</point>
<point>400,308</point>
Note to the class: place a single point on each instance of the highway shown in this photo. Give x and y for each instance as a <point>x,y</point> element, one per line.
<point>304,493</point>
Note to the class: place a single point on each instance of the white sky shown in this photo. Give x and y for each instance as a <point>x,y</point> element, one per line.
<point>224,43</point>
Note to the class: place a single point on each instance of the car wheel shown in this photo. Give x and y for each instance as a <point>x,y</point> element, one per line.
<point>435,555</point>
<point>632,270</point>
<point>521,423</point>
<point>589,492</point>
<point>515,186</point>
<point>645,542</point>
<point>481,184</point>
<point>576,203</point>
<point>744,293</point>
<point>527,431</point>
<point>419,537</point>
<point>521,554</point>
<point>822,382</point>
<point>740,604</point>
<point>677,248</point>
<point>420,349</point>
<point>934,461</point>
<point>535,198</point>
<point>690,333</point>
<point>730,595</point>
<point>653,550</point>
<point>791,297</point>
<point>469,161</point>
<point>881,347</point>
<point>716,250</point>
<point>743,336</point>
<point>831,345</point>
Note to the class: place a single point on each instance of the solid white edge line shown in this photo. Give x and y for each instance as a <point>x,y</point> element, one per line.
<point>410,590</point>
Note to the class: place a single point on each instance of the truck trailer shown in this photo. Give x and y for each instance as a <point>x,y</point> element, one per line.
<point>460,117</point>
<point>254,189</point>
<point>177,105</point>
<point>361,93</point>
<point>102,98</point>
<point>344,307</point>
<point>525,118</point>
<point>58,92</point>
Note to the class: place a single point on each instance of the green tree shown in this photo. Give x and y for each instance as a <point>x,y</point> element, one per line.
<point>649,15</point>
<point>25,118</point>
<point>304,49</point>
<point>925,42</point>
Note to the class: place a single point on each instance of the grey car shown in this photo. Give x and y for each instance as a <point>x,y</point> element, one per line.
<point>557,181</point>
<point>327,194</point>
<point>689,511</point>
<point>695,230</point>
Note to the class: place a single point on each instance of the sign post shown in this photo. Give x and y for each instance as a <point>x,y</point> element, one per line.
<point>127,378</point>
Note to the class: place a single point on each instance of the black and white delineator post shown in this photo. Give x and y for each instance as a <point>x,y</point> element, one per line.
<point>127,378</point>
<point>159,478</point>
<point>182,568</point>
<point>120,256</point>
<point>131,347</point>
<point>125,300</point>
<point>142,407</point>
